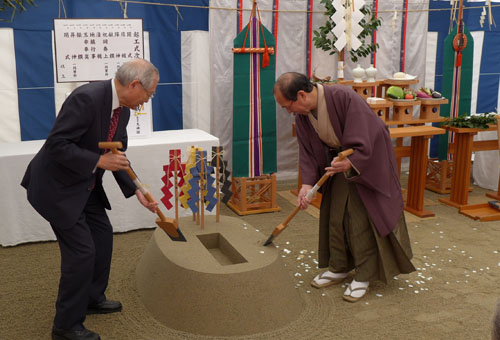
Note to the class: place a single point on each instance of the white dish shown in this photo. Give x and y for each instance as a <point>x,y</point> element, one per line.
<point>403,100</point>
<point>431,98</point>
<point>407,77</point>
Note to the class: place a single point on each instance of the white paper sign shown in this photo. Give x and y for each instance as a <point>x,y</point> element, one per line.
<point>93,49</point>
<point>139,124</point>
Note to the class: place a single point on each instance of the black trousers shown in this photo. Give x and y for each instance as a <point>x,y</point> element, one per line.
<point>86,250</point>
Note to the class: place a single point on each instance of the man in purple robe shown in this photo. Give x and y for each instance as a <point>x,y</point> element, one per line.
<point>362,225</point>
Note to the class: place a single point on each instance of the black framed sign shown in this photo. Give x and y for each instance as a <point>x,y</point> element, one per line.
<point>93,49</point>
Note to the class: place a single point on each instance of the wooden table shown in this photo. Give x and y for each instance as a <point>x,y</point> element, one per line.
<point>462,150</point>
<point>417,152</point>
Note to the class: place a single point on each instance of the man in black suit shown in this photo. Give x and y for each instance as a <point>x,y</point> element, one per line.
<point>64,184</point>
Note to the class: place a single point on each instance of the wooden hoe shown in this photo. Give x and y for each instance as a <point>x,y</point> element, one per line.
<point>169,225</point>
<point>309,196</point>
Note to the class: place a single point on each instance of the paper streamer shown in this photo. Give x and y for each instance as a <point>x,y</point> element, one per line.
<point>347,19</point>
<point>223,173</point>
<point>191,162</point>
<point>169,170</point>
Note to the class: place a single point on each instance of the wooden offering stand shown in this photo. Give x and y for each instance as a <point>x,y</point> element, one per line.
<point>364,89</point>
<point>382,109</point>
<point>462,149</point>
<point>402,111</point>
<point>418,159</point>
<point>496,195</point>
<point>253,195</point>
<point>383,85</point>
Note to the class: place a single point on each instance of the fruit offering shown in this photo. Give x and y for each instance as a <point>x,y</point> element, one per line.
<point>426,92</point>
<point>395,92</point>
<point>410,94</point>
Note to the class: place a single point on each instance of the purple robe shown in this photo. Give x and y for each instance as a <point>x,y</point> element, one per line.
<point>359,128</point>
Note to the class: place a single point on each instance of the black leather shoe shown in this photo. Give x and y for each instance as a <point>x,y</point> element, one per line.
<point>105,307</point>
<point>85,334</point>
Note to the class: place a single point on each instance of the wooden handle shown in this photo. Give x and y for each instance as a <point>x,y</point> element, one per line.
<point>110,145</point>
<point>114,146</point>
<point>292,215</point>
<point>342,155</point>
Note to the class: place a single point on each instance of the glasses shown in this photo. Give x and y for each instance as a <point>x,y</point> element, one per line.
<point>150,96</point>
<point>289,105</point>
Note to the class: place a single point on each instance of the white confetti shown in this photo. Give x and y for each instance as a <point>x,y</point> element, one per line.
<point>416,291</point>
<point>378,295</point>
<point>262,252</point>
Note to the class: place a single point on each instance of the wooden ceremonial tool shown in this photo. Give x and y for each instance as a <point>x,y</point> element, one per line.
<point>202,191</point>
<point>309,196</point>
<point>217,208</point>
<point>176,160</point>
<point>169,225</point>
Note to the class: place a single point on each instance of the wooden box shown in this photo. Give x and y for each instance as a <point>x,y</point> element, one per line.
<point>364,89</point>
<point>254,195</point>
<point>430,108</point>
<point>402,110</point>
<point>382,110</point>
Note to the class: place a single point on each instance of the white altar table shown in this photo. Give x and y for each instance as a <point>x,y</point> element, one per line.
<point>20,223</point>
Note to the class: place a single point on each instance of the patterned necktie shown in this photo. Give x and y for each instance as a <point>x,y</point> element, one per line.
<point>114,123</point>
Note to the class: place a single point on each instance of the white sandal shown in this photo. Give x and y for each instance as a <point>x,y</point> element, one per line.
<point>348,293</point>
<point>329,279</point>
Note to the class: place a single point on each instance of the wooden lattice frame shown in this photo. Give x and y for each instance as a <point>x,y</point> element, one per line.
<point>254,195</point>
<point>439,175</point>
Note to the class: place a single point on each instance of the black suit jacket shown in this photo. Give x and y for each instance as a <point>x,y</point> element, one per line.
<point>60,177</point>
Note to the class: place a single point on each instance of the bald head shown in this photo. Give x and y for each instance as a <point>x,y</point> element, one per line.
<point>290,83</point>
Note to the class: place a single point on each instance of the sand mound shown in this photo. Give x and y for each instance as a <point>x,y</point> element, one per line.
<point>221,282</point>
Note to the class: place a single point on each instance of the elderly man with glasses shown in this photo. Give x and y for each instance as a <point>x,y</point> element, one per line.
<point>64,184</point>
<point>362,227</point>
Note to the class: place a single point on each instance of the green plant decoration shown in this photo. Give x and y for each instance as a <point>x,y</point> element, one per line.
<point>324,39</point>
<point>481,121</point>
<point>14,6</point>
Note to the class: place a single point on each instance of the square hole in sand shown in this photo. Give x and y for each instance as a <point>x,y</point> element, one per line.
<point>221,249</point>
